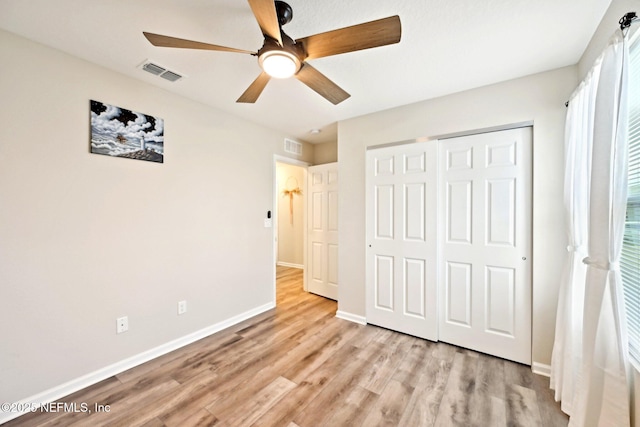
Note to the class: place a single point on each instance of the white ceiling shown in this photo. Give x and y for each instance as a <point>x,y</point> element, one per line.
<point>447,46</point>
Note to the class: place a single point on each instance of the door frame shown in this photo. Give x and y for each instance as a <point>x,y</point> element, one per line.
<point>274,217</point>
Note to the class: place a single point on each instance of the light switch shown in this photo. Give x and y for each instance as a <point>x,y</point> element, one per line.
<point>268,223</point>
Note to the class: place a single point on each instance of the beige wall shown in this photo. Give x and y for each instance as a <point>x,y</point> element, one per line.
<point>290,228</point>
<point>325,153</point>
<point>538,99</point>
<point>87,238</point>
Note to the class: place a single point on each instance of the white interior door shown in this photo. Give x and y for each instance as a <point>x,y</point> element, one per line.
<point>322,230</point>
<point>485,268</point>
<point>401,238</point>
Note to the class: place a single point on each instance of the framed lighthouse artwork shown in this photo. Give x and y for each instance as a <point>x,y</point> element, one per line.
<point>119,132</point>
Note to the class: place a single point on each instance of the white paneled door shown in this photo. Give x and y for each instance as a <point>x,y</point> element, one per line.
<point>401,238</point>
<point>448,230</point>
<point>485,243</point>
<point>322,230</point>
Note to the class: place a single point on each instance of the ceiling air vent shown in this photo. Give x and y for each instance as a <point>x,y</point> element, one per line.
<point>160,71</point>
<point>171,76</point>
<point>154,69</point>
<point>292,147</point>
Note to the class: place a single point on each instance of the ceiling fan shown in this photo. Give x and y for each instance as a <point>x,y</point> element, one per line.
<point>281,57</point>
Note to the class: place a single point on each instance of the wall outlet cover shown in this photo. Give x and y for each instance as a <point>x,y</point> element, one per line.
<point>182,307</point>
<point>122,324</point>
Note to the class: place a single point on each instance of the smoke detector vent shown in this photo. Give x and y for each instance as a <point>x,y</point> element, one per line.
<point>293,147</point>
<point>160,71</point>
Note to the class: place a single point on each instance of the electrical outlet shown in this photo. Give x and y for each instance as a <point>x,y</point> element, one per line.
<point>122,324</point>
<point>182,307</point>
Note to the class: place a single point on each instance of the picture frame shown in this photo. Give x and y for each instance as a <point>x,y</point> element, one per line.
<point>119,132</point>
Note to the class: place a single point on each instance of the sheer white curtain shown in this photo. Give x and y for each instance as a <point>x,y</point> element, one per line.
<point>567,350</point>
<point>597,393</point>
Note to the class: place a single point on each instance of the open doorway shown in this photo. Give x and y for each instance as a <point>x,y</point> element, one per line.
<point>290,183</point>
<point>289,219</point>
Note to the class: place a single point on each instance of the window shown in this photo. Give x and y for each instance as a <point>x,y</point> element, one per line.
<point>630,259</point>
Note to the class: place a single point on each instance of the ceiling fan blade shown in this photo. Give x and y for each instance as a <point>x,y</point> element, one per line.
<point>265,13</point>
<point>321,84</point>
<point>167,41</point>
<point>255,89</point>
<point>357,37</point>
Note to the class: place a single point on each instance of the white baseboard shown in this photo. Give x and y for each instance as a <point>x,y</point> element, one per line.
<point>289,264</point>
<point>541,369</point>
<point>351,317</point>
<point>58,392</point>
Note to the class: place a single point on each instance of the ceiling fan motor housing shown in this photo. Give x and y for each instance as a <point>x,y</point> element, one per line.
<point>284,11</point>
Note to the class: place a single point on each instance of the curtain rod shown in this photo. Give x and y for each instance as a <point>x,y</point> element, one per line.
<point>625,22</point>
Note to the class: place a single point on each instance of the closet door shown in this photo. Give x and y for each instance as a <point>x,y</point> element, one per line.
<point>401,238</point>
<point>485,223</point>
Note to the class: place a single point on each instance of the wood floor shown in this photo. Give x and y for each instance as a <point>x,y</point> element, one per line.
<point>298,365</point>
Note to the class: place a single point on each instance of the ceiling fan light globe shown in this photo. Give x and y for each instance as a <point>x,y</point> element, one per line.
<point>279,64</point>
